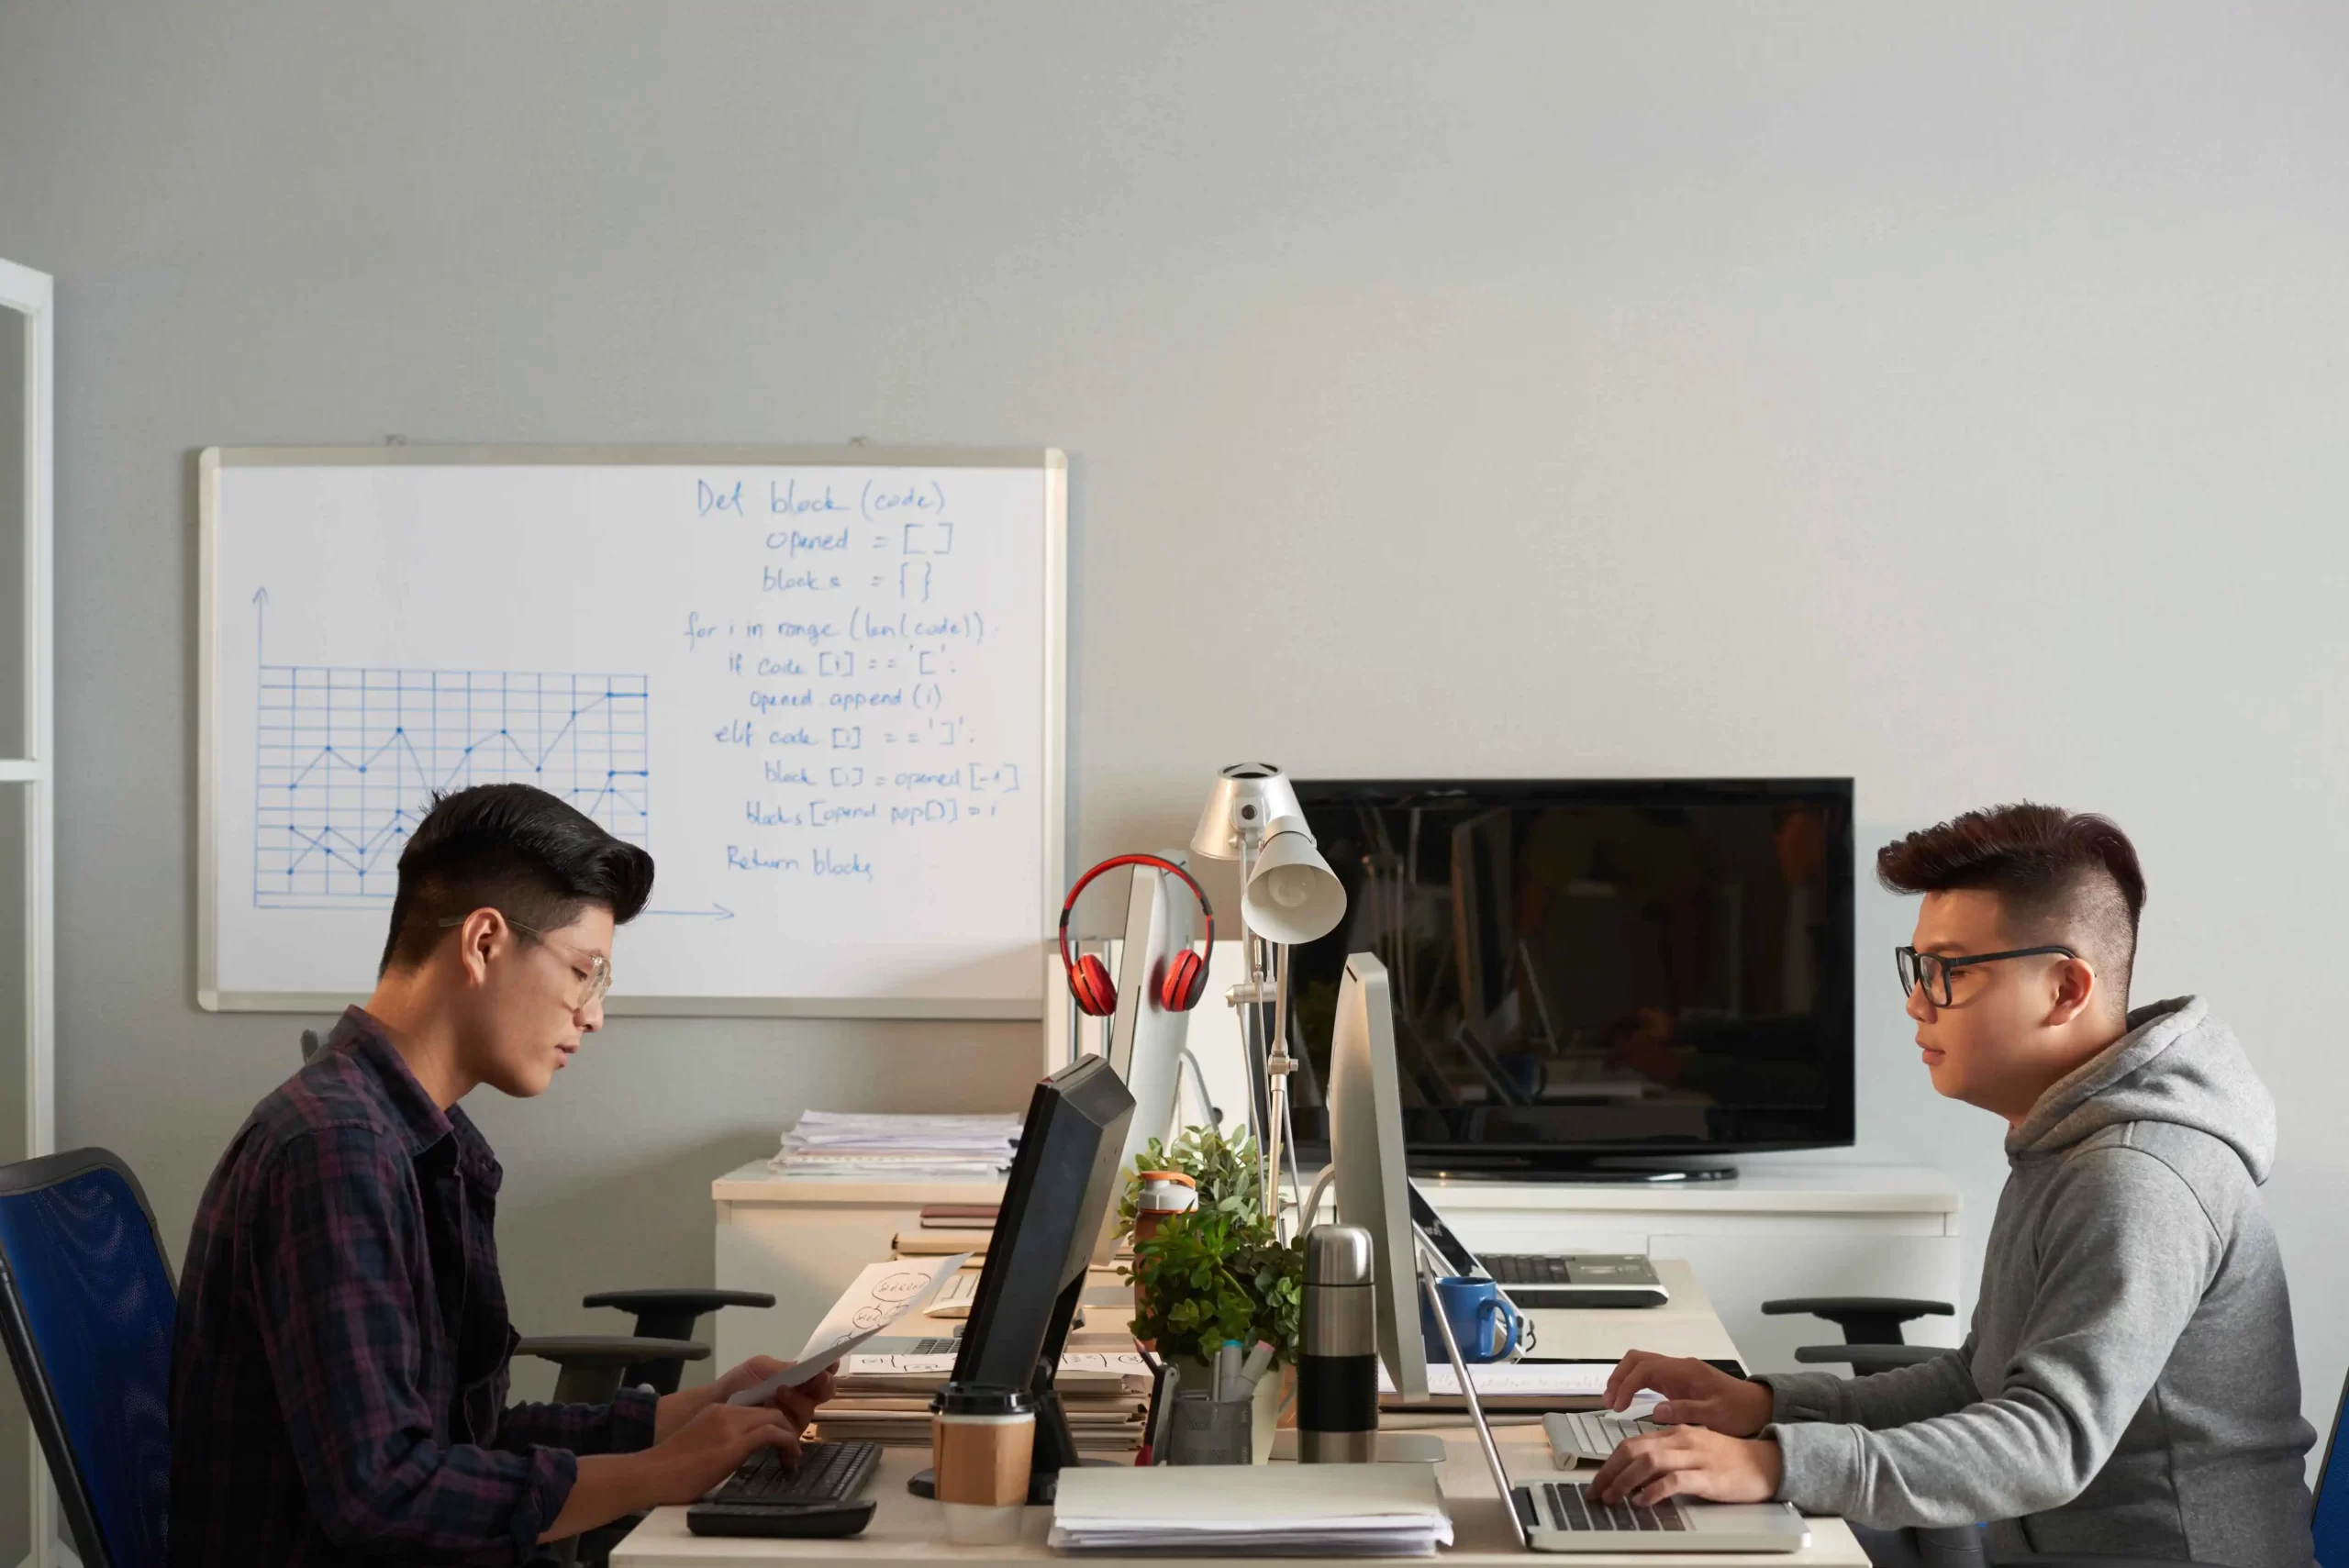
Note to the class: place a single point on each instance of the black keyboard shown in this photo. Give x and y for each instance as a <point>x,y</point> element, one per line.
<point>827,1473</point>
<point>1525,1268</point>
<point>1572,1506</point>
<point>818,1498</point>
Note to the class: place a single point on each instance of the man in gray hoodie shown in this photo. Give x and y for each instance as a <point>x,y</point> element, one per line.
<point>2130,1383</point>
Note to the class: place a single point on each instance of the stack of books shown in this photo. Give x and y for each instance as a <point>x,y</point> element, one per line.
<point>885,1399</point>
<point>869,1147</point>
<point>947,1229</point>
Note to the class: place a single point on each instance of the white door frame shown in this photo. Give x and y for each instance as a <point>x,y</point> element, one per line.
<point>33,296</point>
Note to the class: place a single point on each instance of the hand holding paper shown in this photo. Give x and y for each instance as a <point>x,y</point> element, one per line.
<point>876,1298</point>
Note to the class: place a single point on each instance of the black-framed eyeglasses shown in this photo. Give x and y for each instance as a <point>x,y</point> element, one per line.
<point>1932,970</point>
<point>589,991</point>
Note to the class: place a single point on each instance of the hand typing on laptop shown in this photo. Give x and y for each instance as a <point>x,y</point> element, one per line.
<point>1710,1453</point>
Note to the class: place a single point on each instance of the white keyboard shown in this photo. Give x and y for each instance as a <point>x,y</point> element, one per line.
<point>1589,1436</point>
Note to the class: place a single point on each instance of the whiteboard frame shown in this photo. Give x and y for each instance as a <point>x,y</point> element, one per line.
<point>1052,461</point>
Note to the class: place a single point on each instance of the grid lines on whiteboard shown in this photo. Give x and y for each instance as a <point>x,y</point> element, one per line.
<point>347,759</point>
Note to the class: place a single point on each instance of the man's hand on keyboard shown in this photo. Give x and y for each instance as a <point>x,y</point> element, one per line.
<point>1695,1394</point>
<point>797,1405</point>
<point>708,1448</point>
<point>1689,1461</point>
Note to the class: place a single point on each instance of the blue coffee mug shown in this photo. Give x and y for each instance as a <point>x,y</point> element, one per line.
<point>1483,1320</point>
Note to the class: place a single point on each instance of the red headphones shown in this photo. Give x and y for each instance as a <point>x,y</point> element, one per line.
<point>1088,977</point>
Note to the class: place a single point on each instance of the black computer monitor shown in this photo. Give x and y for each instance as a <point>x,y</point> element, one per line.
<point>1062,1182</point>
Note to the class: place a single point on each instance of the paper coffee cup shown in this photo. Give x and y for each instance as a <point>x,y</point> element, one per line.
<point>982,1442</point>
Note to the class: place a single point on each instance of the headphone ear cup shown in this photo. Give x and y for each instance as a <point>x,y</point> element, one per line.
<point>1095,993</point>
<point>1186,982</point>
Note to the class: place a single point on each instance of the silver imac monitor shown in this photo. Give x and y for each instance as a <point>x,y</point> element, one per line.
<point>1146,1041</point>
<point>1367,1148</point>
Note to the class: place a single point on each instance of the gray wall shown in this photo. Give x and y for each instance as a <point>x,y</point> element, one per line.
<point>1950,396</point>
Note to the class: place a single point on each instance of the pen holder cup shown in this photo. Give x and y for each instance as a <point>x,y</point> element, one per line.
<point>1205,1431</point>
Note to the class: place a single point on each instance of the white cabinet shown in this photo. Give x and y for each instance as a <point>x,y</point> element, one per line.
<point>1780,1230</point>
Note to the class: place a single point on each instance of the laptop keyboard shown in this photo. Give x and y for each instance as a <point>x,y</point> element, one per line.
<point>1525,1268</point>
<point>827,1473</point>
<point>1569,1505</point>
<point>1595,1436</point>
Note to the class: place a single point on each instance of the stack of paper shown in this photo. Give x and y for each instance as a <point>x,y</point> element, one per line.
<point>866,1146</point>
<point>1278,1510</point>
<point>885,1399</point>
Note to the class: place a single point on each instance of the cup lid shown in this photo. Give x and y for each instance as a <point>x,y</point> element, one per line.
<point>982,1399</point>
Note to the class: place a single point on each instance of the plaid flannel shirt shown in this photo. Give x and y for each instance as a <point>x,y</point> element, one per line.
<point>340,1375</point>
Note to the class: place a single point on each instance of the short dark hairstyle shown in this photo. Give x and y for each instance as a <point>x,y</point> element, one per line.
<point>2058,875</point>
<point>516,850</point>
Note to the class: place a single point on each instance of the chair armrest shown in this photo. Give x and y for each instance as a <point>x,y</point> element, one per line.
<point>595,1365</point>
<point>694,1301</point>
<point>1865,1320</point>
<point>609,1349</point>
<point>1864,1359</point>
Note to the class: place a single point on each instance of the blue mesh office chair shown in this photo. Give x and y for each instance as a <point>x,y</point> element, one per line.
<point>86,1308</point>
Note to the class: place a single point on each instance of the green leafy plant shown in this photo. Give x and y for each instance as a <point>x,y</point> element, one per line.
<point>1221,1271</point>
<point>1208,1276</point>
<point>1224,1170</point>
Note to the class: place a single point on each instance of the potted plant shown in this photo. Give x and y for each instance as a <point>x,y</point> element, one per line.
<point>1219,1271</point>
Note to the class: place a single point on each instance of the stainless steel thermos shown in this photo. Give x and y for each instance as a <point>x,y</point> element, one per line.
<point>1336,1372</point>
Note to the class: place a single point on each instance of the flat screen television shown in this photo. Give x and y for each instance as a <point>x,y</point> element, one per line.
<point>1592,978</point>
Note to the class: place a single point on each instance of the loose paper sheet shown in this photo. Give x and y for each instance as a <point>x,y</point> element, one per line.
<point>874,1300</point>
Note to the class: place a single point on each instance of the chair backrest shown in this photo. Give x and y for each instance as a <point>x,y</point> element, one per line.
<point>86,1306</point>
<point>2333,1496</point>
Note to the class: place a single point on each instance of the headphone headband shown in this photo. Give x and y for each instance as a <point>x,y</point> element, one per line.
<point>1159,862</point>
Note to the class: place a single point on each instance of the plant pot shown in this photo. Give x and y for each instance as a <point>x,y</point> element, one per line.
<point>1266,1412</point>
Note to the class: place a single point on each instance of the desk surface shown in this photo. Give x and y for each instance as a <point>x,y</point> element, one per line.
<point>1684,1325</point>
<point>906,1529</point>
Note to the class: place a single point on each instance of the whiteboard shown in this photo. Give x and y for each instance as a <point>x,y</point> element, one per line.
<point>823,688</point>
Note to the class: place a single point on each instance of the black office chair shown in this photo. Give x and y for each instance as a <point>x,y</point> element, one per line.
<point>1871,1325</point>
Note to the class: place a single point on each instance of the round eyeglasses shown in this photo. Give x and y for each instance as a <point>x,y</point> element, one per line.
<point>592,987</point>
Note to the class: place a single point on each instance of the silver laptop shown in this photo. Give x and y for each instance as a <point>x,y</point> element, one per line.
<point>1559,1516</point>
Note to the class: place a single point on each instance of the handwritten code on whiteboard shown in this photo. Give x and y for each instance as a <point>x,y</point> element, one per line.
<point>824,696</point>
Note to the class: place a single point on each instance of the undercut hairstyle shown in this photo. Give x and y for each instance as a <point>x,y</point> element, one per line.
<point>2060,877</point>
<point>516,850</point>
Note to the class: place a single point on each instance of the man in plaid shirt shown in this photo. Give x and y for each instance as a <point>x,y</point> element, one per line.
<point>338,1382</point>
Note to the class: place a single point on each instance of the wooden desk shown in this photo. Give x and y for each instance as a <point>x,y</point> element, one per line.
<point>906,1529</point>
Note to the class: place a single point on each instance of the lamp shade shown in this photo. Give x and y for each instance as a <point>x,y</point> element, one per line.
<point>1247,797</point>
<point>1293,896</point>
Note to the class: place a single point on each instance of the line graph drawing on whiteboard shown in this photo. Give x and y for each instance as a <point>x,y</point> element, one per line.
<point>347,758</point>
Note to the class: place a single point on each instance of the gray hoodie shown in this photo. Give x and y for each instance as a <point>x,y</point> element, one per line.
<point>2129,1385</point>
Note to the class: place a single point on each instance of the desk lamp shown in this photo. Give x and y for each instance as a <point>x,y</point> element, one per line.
<point>1287,894</point>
